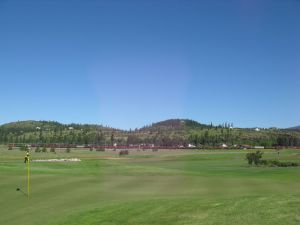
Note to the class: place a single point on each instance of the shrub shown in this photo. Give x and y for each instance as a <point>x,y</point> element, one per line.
<point>254,157</point>
<point>24,148</point>
<point>68,150</point>
<point>52,149</point>
<point>37,149</point>
<point>10,147</point>
<point>282,164</point>
<point>44,149</point>
<point>124,152</point>
<point>264,162</point>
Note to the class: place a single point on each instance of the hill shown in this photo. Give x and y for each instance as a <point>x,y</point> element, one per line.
<point>174,124</point>
<point>294,128</point>
<point>54,132</point>
<point>30,126</point>
<point>167,133</point>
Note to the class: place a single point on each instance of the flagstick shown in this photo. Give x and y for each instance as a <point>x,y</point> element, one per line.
<point>28,177</point>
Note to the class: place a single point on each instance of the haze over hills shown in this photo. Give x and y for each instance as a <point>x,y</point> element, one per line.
<point>172,132</point>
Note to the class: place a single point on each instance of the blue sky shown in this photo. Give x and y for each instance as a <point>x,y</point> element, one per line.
<point>130,63</point>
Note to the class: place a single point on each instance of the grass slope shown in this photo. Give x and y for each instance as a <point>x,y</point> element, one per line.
<point>191,187</point>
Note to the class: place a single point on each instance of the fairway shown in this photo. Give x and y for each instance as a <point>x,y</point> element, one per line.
<point>184,187</point>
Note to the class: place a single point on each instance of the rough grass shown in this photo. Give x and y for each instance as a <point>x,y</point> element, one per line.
<point>180,187</point>
<point>241,210</point>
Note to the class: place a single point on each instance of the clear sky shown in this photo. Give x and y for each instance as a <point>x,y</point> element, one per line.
<point>130,63</point>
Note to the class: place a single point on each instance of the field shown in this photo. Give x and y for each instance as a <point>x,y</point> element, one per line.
<point>165,187</point>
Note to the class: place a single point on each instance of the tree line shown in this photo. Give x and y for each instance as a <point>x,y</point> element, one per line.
<point>168,133</point>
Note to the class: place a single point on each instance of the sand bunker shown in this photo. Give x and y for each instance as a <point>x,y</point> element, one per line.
<point>57,160</point>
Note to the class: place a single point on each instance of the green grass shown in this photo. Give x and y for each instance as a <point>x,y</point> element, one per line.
<point>180,187</point>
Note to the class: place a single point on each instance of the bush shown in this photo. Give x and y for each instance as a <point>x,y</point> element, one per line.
<point>282,164</point>
<point>264,162</point>
<point>68,150</point>
<point>52,149</point>
<point>44,149</point>
<point>124,152</point>
<point>10,147</point>
<point>24,148</point>
<point>91,149</point>
<point>254,157</point>
<point>37,149</point>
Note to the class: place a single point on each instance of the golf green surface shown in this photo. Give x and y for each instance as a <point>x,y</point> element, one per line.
<point>166,187</point>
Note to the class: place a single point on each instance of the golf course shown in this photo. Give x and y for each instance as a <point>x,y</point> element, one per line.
<point>145,187</point>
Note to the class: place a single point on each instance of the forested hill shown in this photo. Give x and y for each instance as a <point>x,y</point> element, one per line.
<point>171,133</point>
<point>295,128</point>
<point>174,124</point>
<point>32,126</point>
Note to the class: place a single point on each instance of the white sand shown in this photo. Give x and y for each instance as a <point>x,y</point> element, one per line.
<point>57,160</point>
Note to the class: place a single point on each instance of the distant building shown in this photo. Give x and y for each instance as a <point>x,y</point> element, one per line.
<point>259,147</point>
<point>191,146</point>
<point>80,146</point>
<point>71,128</point>
<point>257,129</point>
<point>224,146</point>
<point>246,146</point>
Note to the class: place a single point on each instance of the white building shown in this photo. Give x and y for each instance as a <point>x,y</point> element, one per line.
<point>224,146</point>
<point>191,146</point>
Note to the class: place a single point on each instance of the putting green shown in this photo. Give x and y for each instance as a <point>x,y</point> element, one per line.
<point>165,187</point>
